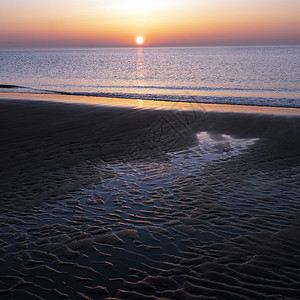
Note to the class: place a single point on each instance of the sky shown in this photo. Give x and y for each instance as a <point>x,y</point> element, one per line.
<point>117,23</point>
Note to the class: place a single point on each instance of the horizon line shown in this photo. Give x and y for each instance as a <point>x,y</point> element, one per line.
<point>148,46</point>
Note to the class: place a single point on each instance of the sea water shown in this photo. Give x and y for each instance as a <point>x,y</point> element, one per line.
<point>268,76</point>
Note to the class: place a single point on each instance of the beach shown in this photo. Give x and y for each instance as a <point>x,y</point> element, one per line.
<point>116,199</point>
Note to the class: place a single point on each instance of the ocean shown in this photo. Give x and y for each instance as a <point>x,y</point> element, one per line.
<point>260,76</point>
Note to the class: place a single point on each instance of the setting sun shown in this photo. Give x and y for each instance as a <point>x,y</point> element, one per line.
<point>118,23</point>
<point>140,40</point>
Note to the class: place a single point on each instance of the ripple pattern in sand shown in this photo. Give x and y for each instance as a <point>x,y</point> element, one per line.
<point>218,221</point>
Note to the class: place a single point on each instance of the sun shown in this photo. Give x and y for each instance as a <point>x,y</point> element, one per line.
<point>140,40</point>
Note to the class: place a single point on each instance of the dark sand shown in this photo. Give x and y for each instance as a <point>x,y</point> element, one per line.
<point>111,202</point>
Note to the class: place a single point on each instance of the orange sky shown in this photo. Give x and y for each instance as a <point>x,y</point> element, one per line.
<point>81,23</point>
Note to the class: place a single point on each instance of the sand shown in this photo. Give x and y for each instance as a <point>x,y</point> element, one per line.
<point>127,202</point>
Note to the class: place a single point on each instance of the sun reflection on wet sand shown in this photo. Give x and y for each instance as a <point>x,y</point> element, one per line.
<point>151,104</point>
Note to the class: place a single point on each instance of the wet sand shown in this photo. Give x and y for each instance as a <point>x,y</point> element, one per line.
<point>128,202</point>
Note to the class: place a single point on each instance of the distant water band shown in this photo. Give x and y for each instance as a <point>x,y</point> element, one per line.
<point>262,76</point>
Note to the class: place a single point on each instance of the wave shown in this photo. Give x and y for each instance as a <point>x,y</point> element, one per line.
<point>231,100</point>
<point>194,88</point>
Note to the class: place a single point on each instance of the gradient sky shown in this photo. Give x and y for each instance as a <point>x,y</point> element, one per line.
<point>85,23</point>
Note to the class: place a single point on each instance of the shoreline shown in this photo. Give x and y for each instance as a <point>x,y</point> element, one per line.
<point>151,104</point>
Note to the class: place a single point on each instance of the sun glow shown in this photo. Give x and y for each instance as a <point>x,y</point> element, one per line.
<point>140,6</point>
<point>140,40</point>
<point>117,23</point>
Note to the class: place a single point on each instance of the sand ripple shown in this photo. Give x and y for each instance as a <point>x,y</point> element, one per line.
<point>220,220</point>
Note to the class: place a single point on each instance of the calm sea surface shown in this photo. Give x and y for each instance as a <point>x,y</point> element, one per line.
<point>268,76</point>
